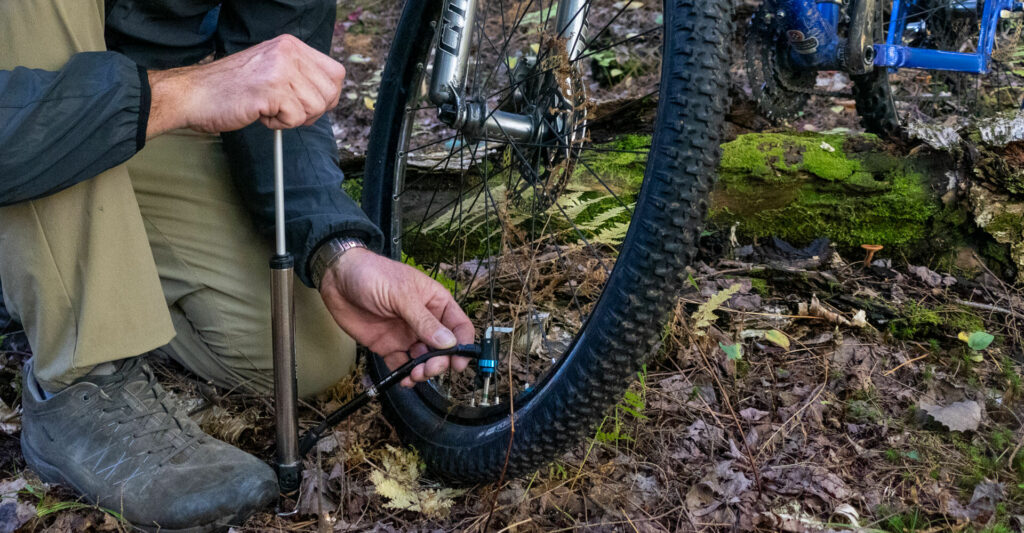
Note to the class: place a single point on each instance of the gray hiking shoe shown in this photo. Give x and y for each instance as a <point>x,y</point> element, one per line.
<point>121,444</point>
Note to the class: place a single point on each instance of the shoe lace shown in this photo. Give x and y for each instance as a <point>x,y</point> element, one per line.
<point>171,433</point>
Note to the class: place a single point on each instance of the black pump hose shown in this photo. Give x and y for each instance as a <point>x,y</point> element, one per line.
<point>312,436</point>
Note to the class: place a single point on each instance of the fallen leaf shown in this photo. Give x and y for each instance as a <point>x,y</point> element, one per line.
<point>753,414</point>
<point>983,502</point>
<point>733,351</point>
<point>777,338</point>
<point>14,513</point>
<point>958,416</point>
<point>813,479</point>
<point>978,340</point>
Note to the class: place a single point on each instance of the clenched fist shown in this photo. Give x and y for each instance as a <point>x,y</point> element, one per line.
<point>283,83</point>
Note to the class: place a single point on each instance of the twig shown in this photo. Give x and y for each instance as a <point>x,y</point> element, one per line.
<point>1020,442</point>
<point>905,363</point>
<point>511,526</point>
<point>989,307</point>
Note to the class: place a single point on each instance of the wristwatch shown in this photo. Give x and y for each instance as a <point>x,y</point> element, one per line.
<point>328,253</point>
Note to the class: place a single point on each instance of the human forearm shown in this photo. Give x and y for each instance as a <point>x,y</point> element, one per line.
<point>167,88</point>
<point>59,128</point>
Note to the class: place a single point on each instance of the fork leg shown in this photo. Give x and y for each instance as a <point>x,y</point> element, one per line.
<point>571,21</point>
<point>451,56</point>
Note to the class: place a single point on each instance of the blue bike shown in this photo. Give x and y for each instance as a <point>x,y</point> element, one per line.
<point>910,62</point>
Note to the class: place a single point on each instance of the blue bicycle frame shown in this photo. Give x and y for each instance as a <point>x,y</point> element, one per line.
<point>816,45</point>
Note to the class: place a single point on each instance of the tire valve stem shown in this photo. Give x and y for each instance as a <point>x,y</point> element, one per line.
<point>485,394</point>
<point>488,362</point>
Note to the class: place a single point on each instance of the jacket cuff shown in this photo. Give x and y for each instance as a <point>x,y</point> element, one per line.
<point>145,102</point>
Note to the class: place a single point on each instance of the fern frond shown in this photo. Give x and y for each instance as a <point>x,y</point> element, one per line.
<point>705,315</point>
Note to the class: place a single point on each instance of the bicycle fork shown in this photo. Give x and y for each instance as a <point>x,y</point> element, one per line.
<point>451,64</point>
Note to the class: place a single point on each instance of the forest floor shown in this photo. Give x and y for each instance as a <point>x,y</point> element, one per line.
<point>824,395</point>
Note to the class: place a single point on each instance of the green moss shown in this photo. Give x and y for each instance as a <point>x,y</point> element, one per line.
<point>916,320</point>
<point>620,163</point>
<point>448,283</point>
<point>792,187</point>
<point>761,153</point>
<point>919,322</point>
<point>353,188</point>
<point>862,412</point>
<point>833,166</point>
<point>760,286</point>
<point>1013,382</point>
<point>964,320</point>
<point>1008,224</point>
<point>982,462</point>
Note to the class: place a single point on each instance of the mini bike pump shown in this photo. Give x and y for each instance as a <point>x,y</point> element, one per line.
<point>282,313</point>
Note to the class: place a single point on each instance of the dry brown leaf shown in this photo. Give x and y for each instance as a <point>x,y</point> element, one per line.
<point>957,416</point>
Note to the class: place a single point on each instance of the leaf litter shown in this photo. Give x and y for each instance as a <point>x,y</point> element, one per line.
<point>849,426</point>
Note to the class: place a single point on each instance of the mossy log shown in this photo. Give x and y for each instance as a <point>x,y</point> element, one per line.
<point>852,189</point>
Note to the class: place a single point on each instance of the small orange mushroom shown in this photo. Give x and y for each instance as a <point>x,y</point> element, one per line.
<point>871,248</point>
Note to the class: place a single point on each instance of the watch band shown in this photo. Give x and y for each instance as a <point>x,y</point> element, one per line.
<point>328,253</point>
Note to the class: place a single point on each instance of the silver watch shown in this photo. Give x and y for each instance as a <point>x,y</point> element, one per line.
<point>328,253</point>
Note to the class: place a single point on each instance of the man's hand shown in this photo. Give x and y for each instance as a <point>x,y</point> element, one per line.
<point>283,83</point>
<point>392,308</point>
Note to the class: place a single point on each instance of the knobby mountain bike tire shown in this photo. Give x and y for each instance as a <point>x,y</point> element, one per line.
<point>622,325</point>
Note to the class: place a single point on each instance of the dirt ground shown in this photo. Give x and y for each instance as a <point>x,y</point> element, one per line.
<point>796,390</point>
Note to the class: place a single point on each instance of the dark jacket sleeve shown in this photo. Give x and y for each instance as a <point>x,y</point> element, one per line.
<point>60,128</point>
<point>316,206</point>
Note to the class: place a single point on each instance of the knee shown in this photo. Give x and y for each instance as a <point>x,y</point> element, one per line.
<point>322,362</point>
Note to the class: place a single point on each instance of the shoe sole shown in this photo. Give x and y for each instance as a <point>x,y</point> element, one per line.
<point>51,474</point>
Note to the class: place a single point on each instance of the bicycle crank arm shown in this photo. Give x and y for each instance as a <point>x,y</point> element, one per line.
<point>311,437</point>
<point>860,46</point>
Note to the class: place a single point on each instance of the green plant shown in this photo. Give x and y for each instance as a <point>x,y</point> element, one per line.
<point>705,315</point>
<point>47,506</point>
<point>633,404</point>
<point>908,522</point>
<point>556,470</point>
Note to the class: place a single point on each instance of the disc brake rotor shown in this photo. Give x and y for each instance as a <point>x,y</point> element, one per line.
<point>556,99</point>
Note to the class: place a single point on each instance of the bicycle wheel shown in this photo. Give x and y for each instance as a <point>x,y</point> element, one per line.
<point>893,102</point>
<point>575,239</point>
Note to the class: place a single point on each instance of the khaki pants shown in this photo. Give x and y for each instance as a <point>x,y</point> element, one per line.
<point>157,254</point>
